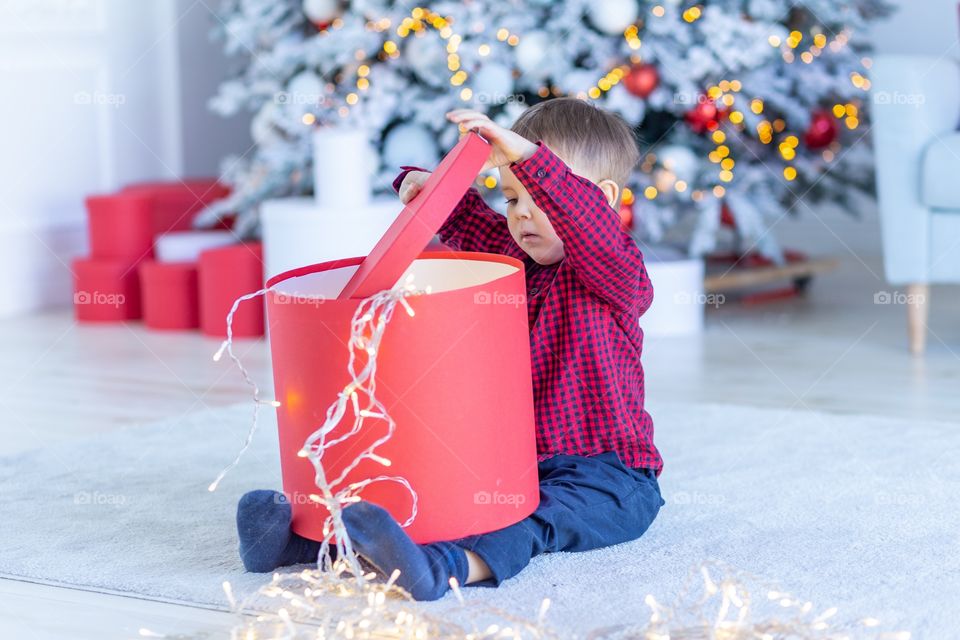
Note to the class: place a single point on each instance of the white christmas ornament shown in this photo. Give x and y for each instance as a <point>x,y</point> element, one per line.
<point>410,144</point>
<point>614,16</point>
<point>493,84</point>
<point>428,57</point>
<point>303,91</point>
<point>576,82</point>
<point>678,160</point>
<point>629,106</point>
<point>664,179</point>
<point>532,53</point>
<point>321,10</point>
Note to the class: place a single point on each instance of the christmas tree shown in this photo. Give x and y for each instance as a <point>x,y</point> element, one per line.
<point>755,108</point>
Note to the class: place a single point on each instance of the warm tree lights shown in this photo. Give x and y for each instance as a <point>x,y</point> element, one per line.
<point>760,72</point>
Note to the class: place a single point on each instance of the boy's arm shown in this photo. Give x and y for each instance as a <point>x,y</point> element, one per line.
<point>605,258</point>
<point>473,225</point>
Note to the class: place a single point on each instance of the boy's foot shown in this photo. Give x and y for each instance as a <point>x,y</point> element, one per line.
<point>425,569</point>
<point>266,541</point>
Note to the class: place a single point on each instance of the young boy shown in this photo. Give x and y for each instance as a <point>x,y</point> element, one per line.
<point>586,287</point>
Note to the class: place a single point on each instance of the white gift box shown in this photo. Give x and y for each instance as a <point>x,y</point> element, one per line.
<point>297,232</point>
<point>186,246</point>
<point>343,164</point>
<point>678,297</point>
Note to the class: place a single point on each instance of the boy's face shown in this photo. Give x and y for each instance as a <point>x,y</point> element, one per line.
<point>529,226</point>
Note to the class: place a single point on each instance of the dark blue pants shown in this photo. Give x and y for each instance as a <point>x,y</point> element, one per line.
<point>585,503</point>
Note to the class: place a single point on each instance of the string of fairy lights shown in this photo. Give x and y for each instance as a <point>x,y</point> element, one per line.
<point>368,326</point>
<point>340,600</point>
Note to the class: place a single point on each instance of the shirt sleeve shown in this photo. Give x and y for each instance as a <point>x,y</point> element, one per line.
<point>473,225</point>
<point>605,258</point>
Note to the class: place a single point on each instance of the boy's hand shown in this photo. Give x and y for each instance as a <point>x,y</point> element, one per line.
<point>507,146</point>
<point>412,184</point>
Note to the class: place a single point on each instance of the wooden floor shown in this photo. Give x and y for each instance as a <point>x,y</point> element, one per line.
<point>835,351</point>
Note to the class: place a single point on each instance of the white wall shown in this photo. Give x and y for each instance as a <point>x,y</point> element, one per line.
<point>92,100</point>
<point>927,27</point>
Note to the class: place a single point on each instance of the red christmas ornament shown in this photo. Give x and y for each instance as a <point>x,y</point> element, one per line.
<point>642,79</point>
<point>626,215</point>
<point>822,131</point>
<point>726,216</point>
<point>706,116</point>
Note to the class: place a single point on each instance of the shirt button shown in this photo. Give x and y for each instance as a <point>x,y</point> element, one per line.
<point>534,291</point>
<point>541,173</point>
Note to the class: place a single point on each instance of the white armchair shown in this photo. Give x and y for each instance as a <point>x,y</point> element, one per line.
<point>916,110</point>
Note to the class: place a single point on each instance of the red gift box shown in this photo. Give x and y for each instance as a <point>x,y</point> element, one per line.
<point>456,377</point>
<point>206,189</point>
<point>175,204</point>
<point>124,225</point>
<point>120,227</point>
<point>169,294</point>
<point>105,290</point>
<point>226,273</point>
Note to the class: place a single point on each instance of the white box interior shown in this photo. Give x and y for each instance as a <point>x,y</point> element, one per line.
<point>440,274</point>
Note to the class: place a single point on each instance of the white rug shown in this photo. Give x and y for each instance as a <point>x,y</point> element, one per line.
<point>856,512</point>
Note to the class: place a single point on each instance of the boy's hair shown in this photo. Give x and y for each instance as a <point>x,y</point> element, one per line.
<point>599,141</point>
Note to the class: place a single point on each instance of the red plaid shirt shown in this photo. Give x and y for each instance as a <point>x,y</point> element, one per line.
<point>584,311</point>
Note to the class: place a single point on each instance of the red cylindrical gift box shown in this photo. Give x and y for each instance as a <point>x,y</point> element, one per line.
<point>456,378</point>
<point>175,204</point>
<point>105,290</point>
<point>226,273</point>
<point>206,189</point>
<point>121,227</point>
<point>169,293</point>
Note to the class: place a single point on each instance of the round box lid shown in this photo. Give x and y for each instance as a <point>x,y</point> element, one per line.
<point>420,219</point>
